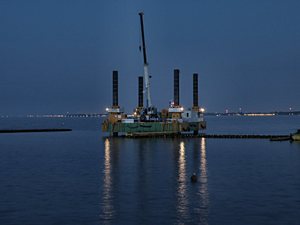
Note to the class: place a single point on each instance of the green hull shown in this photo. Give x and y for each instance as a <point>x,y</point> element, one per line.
<point>152,127</point>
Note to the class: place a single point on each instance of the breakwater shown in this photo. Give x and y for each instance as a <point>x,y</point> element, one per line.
<point>35,130</point>
<point>203,135</point>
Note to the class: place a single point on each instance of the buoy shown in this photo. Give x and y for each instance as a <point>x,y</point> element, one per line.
<point>193,178</point>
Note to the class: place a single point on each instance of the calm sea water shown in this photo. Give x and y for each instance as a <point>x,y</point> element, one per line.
<point>83,177</point>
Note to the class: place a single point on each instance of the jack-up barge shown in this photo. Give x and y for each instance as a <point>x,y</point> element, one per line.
<point>146,120</point>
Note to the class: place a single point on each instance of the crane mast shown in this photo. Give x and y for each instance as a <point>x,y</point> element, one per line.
<point>146,74</point>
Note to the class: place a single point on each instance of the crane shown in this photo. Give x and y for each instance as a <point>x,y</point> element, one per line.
<point>150,110</point>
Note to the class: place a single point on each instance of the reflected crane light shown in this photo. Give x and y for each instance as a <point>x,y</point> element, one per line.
<point>107,155</point>
<point>203,187</point>
<point>182,186</point>
<point>203,159</point>
<point>107,210</point>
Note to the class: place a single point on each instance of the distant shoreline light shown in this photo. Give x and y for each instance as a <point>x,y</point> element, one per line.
<point>259,114</point>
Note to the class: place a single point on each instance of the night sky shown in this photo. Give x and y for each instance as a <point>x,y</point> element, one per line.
<point>58,56</point>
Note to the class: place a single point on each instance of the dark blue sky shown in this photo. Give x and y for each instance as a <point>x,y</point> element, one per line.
<point>58,56</point>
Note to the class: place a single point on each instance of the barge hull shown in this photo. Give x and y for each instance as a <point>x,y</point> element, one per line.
<point>153,127</point>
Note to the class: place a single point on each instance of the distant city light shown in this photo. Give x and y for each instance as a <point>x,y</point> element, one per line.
<point>259,114</point>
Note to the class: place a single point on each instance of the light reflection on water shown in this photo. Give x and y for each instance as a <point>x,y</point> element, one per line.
<point>203,189</point>
<point>107,207</point>
<point>182,205</point>
<point>192,198</point>
<point>191,201</point>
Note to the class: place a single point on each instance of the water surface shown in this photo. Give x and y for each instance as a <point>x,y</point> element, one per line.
<point>84,177</point>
